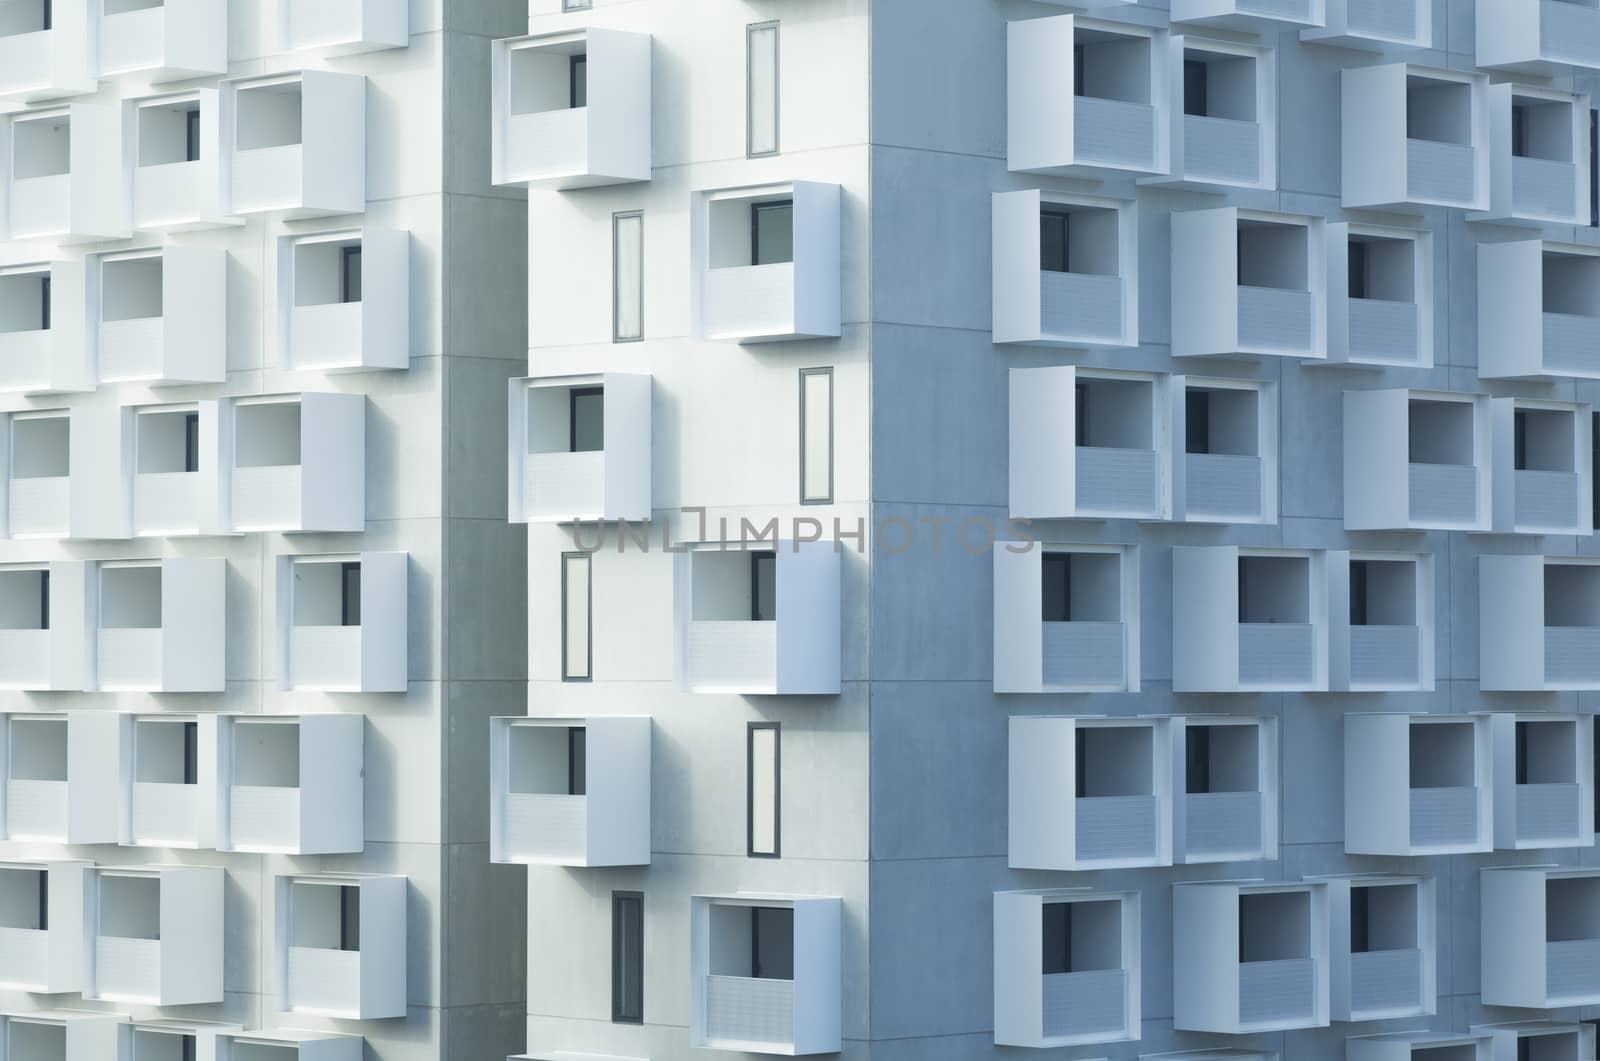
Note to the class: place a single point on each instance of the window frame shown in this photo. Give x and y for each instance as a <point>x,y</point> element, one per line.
<point>750,790</point>
<point>574,395</point>
<point>191,442</point>
<point>573,64</point>
<point>44,302</point>
<point>577,760</point>
<point>617,220</point>
<point>757,558</point>
<point>1056,214</point>
<point>348,253</point>
<point>618,1014</point>
<point>588,633</point>
<point>347,568</point>
<point>191,134</point>
<point>827,372</point>
<point>756,210</point>
<point>44,598</point>
<point>750,32</point>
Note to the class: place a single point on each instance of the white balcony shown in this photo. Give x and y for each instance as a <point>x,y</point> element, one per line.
<point>1380,296</point>
<point>175,149</point>
<point>287,1044</point>
<point>173,470</point>
<point>1248,284</point>
<point>342,27</point>
<point>1416,460</point>
<point>1384,942</point>
<point>42,348</point>
<point>41,954</point>
<point>290,784</point>
<point>342,622</point>
<point>572,109</point>
<point>1539,157</point>
<point>1249,620</point>
<point>1415,137</point>
<point>168,786</point>
<point>1543,780</point>
<point>63,178</point>
<point>344,301</point>
<point>39,63</point>
<point>42,639</point>
<point>1543,454</point>
<point>1250,16</point>
<point>157,935</point>
<point>1420,1046</point>
<point>766,263</point>
<point>764,974</point>
<point>580,448</point>
<point>162,40</point>
<point>1549,38</point>
<point>175,1040</point>
<point>63,1035</point>
<point>161,625</point>
<point>1381,630</point>
<point>162,317</point>
<point>1225,789</point>
<point>1226,471</point>
<point>1539,949</point>
<point>1116,815</point>
<point>1065,270</point>
<point>1544,1039</point>
<point>341,945</point>
<point>60,777</point>
<point>1066,619</point>
<point>1537,315</point>
<point>1229,137</point>
<point>299,462</point>
<point>298,147</point>
<point>1250,957</point>
<point>1066,969</point>
<point>1374,25</point>
<point>1539,623</point>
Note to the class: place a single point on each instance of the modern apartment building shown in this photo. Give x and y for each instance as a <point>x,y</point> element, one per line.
<point>1202,395</point>
<point>260,597</point>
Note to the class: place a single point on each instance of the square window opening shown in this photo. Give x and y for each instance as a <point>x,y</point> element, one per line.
<point>1221,759</point>
<point>1383,593</point>
<point>41,147</point>
<point>1222,421</point>
<point>167,442</point>
<point>129,906</point>
<point>1081,587</point>
<point>1544,440</point>
<point>1438,111</point>
<point>325,916</point>
<point>24,898</point>
<point>25,16</point>
<point>166,751</point>
<point>267,435</point>
<point>25,599</point>
<point>1274,589</point>
<point>1541,128</point>
<point>1111,66</point>
<point>130,288</point>
<point>268,116</point>
<point>1081,937</point>
<point>327,593</point>
<point>130,597</point>
<point>1114,761</point>
<point>1570,284</point>
<point>1219,85</point>
<point>1547,752</point>
<point>327,272</point>
<point>1274,255</point>
<point>755,942</point>
<point>1571,911</point>
<point>1079,239</point>
<point>1441,432</point>
<point>1114,414</point>
<point>548,760</point>
<point>1274,926</point>
<point>169,133</point>
<point>548,77</point>
<point>1382,269</point>
<point>37,749</point>
<point>1383,917</point>
<point>266,754</point>
<point>1571,595</point>
<point>24,302</point>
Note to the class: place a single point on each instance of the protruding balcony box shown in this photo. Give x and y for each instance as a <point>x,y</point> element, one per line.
<point>1444,484</point>
<point>163,315</point>
<point>342,622</point>
<point>572,109</point>
<point>1227,470</point>
<point>1538,310</point>
<point>1229,137</point>
<point>286,1044</point>
<point>1381,626</point>
<point>1539,157</point>
<point>1224,788</point>
<point>1548,38</point>
<point>1375,25</point>
<point>1417,785</point>
<point>43,643</point>
<point>1066,968</point>
<point>41,953</point>
<point>169,780</point>
<point>1066,619</point>
<point>157,935</point>
<point>42,347</point>
<point>1538,623</point>
<point>39,498</point>
<point>46,51</point>
<point>1248,284</point>
<point>1415,137</point>
<point>1384,933</point>
<point>299,462</point>
<point>290,784</point>
<point>1250,16</point>
<point>1111,117</point>
<point>63,176</point>
<point>1066,269</point>
<point>162,40</point>
<point>344,301</point>
<point>175,167</point>
<point>60,779</point>
<point>764,973</point>
<point>1420,1046</point>
<point>1543,781</point>
<point>754,620</point>
<point>1380,296</point>
<point>161,625</point>
<point>63,1035</point>
<point>1547,1040</point>
<point>766,263</point>
<point>1115,464</point>
<point>171,462</point>
<point>1250,957</point>
<point>299,143</point>
<point>341,945</point>
<point>1116,815</point>
<point>580,448</point>
<point>570,791</point>
<point>166,1040</point>
<point>1540,941</point>
<point>1249,620</point>
<point>1543,460</point>
<point>342,27</point>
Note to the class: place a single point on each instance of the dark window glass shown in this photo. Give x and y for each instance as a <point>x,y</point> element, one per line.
<point>44,599</point>
<point>1358,593</point>
<point>1597,787</point>
<point>1522,752</point>
<point>1524,1047</point>
<point>1358,270</point>
<point>1594,168</point>
<point>586,416</point>
<point>1519,132</point>
<point>1080,415</point>
<point>1244,589</point>
<point>1056,921</point>
<point>1196,422</point>
<point>1056,590</point>
<point>44,901</point>
<point>350,273</point>
<point>191,135</point>
<point>191,753</point>
<point>350,594</point>
<point>1358,920</point>
<point>1594,447</point>
<point>1194,87</point>
<point>191,442</point>
<point>1519,440</point>
<point>1053,226</point>
<point>48,14</point>
<point>578,81</point>
<point>186,1048</point>
<point>764,586</point>
<point>772,232</point>
<point>44,303</point>
<point>772,942</point>
<point>349,918</point>
<point>577,761</point>
<point>1077,69</point>
<point>627,957</point>
<point>1080,765</point>
<point>1197,759</point>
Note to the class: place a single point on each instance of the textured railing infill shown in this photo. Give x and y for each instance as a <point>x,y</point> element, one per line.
<point>1572,971</point>
<point>1440,172</point>
<point>564,484</point>
<point>1114,131</point>
<point>545,825</point>
<point>165,813</point>
<point>127,969</point>
<point>1277,992</point>
<point>1444,493</point>
<point>749,1010</point>
<point>36,809</point>
<point>1226,485</point>
<point>1083,653</point>
<point>24,957</point>
<point>1444,817</point>
<point>1385,980</point>
<point>1571,344</point>
<point>264,818</point>
<point>1221,149</point>
<point>1569,33</point>
<point>1273,318</point>
<point>1272,653</point>
<point>322,980</point>
<point>39,506</point>
<point>1222,823</point>
<point>1080,305</point>
<point>1547,500</point>
<point>1295,10</point>
<point>1392,19</point>
<point>732,654</point>
<point>1571,654</point>
<point>1543,188</point>
<point>1547,812</point>
<point>1087,1003</point>
<point>1116,481</point>
<point>1115,827</point>
<point>1383,331</point>
<point>1385,655</point>
<point>749,300</point>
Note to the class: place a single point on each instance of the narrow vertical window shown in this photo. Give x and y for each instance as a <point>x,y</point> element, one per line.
<point>763,586</point>
<point>1594,168</point>
<point>762,766</point>
<point>816,436</point>
<point>1080,764</point>
<point>1054,227</point>
<point>627,277</point>
<point>586,417</point>
<point>772,232</point>
<point>350,273</point>
<point>1056,933</point>
<point>577,761</point>
<point>1078,55</point>
<point>1194,87</point>
<point>1055,591</point>
<point>44,901</point>
<point>575,627</point>
<point>44,303</point>
<point>1197,760</point>
<point>578,81</point>
<point>1358,269</point>
<point>44,599</point>
<point>350,593</point>
<point>1596,751</point>
<point>191,753</point>
<point>761,89</point>
<point>1519,132</point>
<point>186,1052</point>
<point>1522,753</point>
<point>1196,422</point>
<point>627,957</point>
<point>191,135</point>
<point>47,14</point>
<point>1358,593</point>
<point>1519,440</point>
<point>1359,934</point>
<point>1080,414</point>
<point>349,918</point>
<point>191,442</point>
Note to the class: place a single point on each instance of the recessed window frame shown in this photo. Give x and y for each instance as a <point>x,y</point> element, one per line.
<point>750,36</point>
<point>806,376</point>
<point>568,561</point>
<point>618,221</point>
<point>776,729</point>
<point>627,964</point>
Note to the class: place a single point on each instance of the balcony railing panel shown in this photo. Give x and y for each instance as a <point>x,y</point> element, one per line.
<point>1222,824</point>
<point>24,659</point>
<point>1544,189</point>
<point>131,349</point>
<point>39,507</point>
<point>1386,981</point>
<point>1117,481</point>
<point>1572,344</point>
<point>743,1009</point>
<point>326,657</point>
<point>1444,493</point>
<point>36,810</point>
<point>1222,485</point>
<point>546,826</point>
<point>1569,33</point>
<point>1385,655</point>
<point>547,144</point>
<point>732,654</point>
<point>1085,306</point>
<point>1547,812</point>
<point>1389,19</point>
<point>322,22</point>
<point>127,969</point>
<point>1383,331</point>
<point>1572,971</point>
<point>564,485</point>
<point>1114,132</point>
<point>25,60</point>
<point>1276,653</point>
<point>1572,655</point>
<point>749,300</point>
<point>1275,319</point>
<point>165,814</point>
<point>1547,501</point>
<point>168,194</point>
<point>130,659</point>
<point>1221,149</point>
<point>1444,817</point>
<point>266,498</point>
<point>1441,173</point>
<point>41,206</point>
<point>1277,992</point>
<point>1289,10</point>
<point>166,502</point>
<point>24,361</point>
<point>24,957</point>
<point>1085,1004</point>
<point>325,981</point>
<point>132,40</point>
<point>1115,827</point>
<point>268,178</point>
<point>326,335</point>
<point>1084,654</point>
<point>264,818</point>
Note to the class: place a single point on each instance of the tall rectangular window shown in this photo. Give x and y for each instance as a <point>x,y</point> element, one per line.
<point>627,277</point>
<point>576,658</point>
<point>1197,760</point>
<point>1358,593</point>
<point>1519,131</point>
<point>763,586</point>
<point>577,761</point>
<point>48,14</point>
<point>1359,921</point>
<point>1594,168</point>
<point>1196,422</point>
<point>191,442</point>
<point>762,766</point>
<point>816,436</point>
<point>1358,269</point>
<point>44,303</point>
<point>761,89</point>
<point>350,273</point>
<point>1055,590</point>
<point>191,135</point>
<point>349,918</point>
<point>44,599</point>
<point>191,753</point>
<point>586,418</point>
<point>350,593</point>
<point>627,957</point>
<point>1053,236</point>
<point>1194,87</point>
<point>772,232</point>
